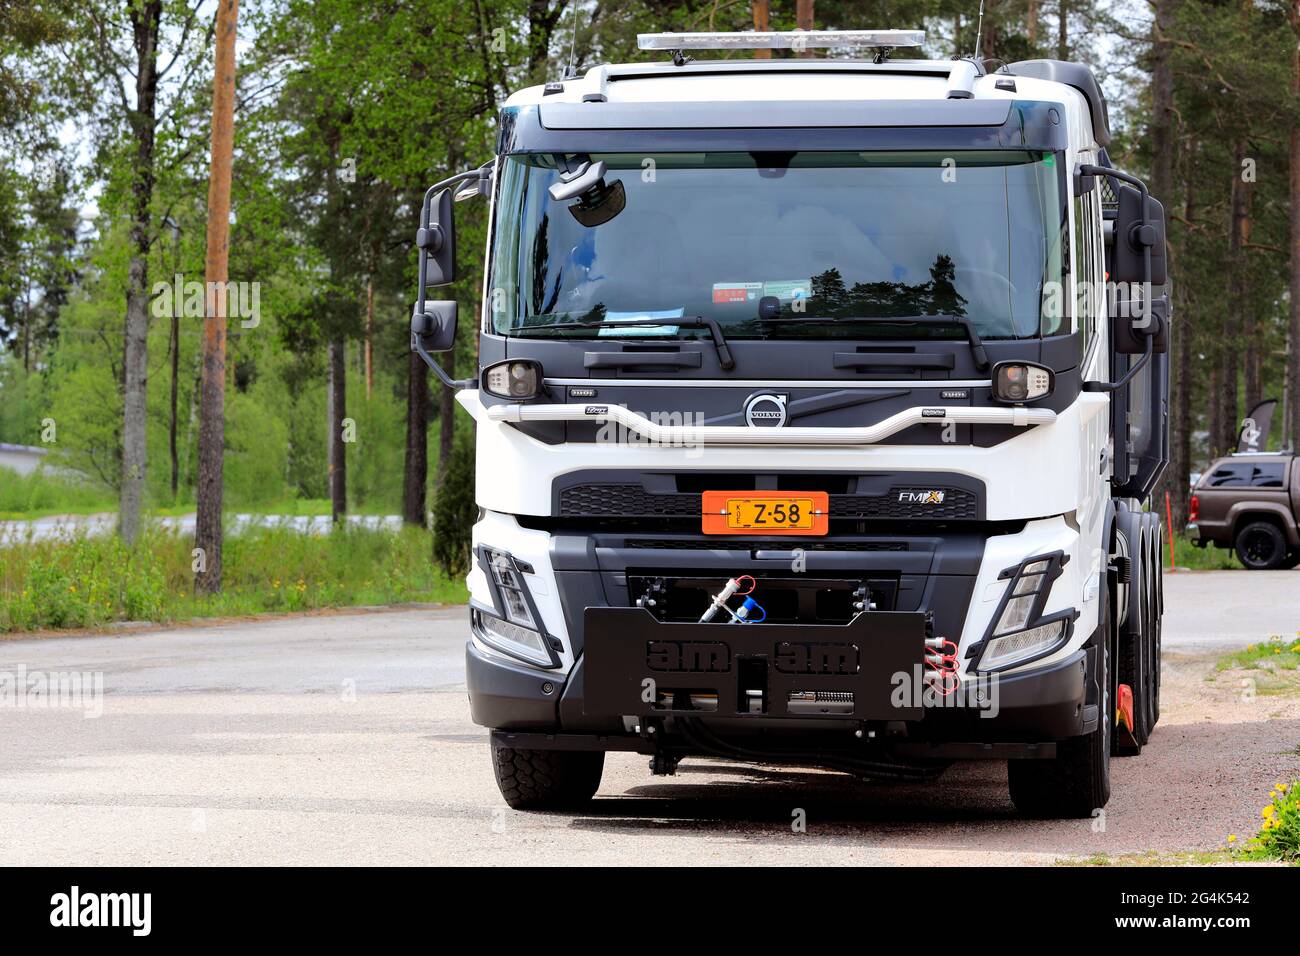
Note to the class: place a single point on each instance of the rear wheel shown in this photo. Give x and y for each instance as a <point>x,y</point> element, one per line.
<point>1076,783</point>
<point>1261,546</point>
<point>547,779</point>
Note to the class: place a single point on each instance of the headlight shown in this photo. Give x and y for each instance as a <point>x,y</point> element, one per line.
<point>1019,634</point>
<point>512,639</point>
<point>510,586</point>
<point>519,379</point>
<point>1021,646</point>
<point>1017,382</point>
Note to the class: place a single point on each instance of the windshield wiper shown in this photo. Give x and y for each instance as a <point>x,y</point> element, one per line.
<point>976,344</point>
<point>692,322</point>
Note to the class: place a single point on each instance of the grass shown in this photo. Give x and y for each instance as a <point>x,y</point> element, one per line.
<point>1272,666</point>
<point>44,494</point>
<point>1278,840</point>
<point>1189,557</point>
<point>41,494</point>
<point>79,581</point>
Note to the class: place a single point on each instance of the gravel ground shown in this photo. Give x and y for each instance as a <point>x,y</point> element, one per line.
<point>345,739</point>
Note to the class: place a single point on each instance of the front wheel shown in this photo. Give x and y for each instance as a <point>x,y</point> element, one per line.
<point>1261,546</point>
<point>547,779</point>
<point>1076,782</point>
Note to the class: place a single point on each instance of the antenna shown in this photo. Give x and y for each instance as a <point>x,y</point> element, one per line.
<point>979,30</point>
<point>573,42</point>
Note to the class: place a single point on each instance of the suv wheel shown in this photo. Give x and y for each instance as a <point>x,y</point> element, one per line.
<point>547,779</point>
<point>1261,546</point>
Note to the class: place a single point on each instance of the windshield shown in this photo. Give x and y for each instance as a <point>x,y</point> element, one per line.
<point>807,235</point>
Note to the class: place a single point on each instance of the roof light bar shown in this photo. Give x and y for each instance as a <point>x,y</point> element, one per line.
<point>780,40</point>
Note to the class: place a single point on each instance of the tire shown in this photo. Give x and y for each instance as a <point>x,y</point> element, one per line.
<point>547,779</point>
<point>1261,546</point>
<point>1157,615</point>
<point>1076,783</point>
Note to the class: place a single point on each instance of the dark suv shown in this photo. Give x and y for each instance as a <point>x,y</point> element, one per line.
<point>1249,502</point>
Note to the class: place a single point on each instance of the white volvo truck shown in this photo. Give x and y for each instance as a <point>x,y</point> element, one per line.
<point>806,429</point>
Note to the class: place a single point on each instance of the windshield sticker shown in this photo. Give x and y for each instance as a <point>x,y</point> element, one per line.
<point>724,292</point>
<point>789,290</point>
<point>613,318</point>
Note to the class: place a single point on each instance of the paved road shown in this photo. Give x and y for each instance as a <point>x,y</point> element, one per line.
<point>345,739</point>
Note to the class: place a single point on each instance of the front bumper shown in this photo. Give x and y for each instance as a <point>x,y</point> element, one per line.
<point>1028,708</point>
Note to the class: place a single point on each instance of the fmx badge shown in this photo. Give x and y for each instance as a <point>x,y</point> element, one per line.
<point>597,410</point>
<point>929,497</point>
<point>934,412</point>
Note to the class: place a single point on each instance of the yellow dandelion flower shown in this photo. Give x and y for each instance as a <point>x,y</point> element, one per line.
<point>1232,838</point>
<point>1268,811</point>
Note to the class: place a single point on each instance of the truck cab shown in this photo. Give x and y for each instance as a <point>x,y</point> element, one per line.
<point>808,426</point>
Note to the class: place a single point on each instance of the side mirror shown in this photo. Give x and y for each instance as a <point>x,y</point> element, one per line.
<point>1134,233</point>
<point>434,329</point>
<point>1131,322</point>
<point>436,240</point>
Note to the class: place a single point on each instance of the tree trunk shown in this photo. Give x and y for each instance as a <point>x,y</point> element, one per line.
<point>1183,344</point>
<point>762,23</point>
<point>1228,342</point>
<point>338,410</point>
<point>1063,30</point>
<point>803,20</point>
<point>1031,23</point>
<point>415,483</point>
<point>146,20</point>
<point>212,397</point>
<point>1162,134</point>
<point>171,421</point>
<point>370,331</point>
<point>1293,347</point>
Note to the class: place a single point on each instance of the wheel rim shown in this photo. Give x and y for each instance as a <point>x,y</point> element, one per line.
<point>1258,547</point>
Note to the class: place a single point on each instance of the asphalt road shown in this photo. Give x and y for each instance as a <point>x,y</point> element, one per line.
<point>345,739</point>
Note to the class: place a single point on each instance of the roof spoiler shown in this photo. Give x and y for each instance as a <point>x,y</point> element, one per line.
<point>1078,76</point>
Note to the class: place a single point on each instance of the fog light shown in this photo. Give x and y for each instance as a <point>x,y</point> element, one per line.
<point>1017,382</point>
<point>512,639</point>
<point>517,378</point>
<point>1021,646</point>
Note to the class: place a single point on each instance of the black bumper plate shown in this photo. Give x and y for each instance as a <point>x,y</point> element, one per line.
<point>636,665</point>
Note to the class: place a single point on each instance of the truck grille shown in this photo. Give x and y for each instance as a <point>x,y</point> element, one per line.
<point>628,500</point>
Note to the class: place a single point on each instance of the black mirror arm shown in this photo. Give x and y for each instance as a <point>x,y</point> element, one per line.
<point>1087,169</point>
<point>1128,376</point>
<point>455,384</point>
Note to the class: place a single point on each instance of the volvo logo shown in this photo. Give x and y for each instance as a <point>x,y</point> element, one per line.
<point>765,410</point>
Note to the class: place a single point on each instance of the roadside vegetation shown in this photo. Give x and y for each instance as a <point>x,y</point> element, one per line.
<point>1278,840</point>
<point>84,581</point>
<point>1272,666</point>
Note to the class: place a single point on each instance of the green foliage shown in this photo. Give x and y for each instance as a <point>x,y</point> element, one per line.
<point>44,492</point>
<point>1279,834</point>
<point>454,511</point>
<point>91,581</point>
<point>1274,653</point>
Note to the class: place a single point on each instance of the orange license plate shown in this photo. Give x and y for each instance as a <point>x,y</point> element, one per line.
<point>766,512</point>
